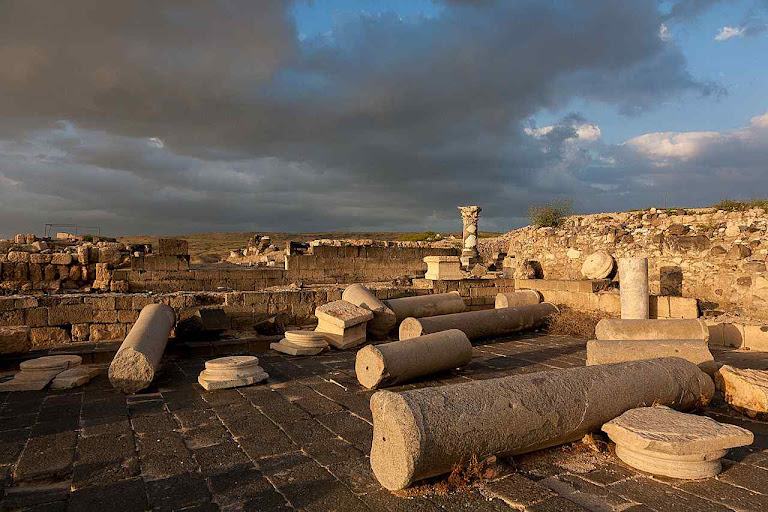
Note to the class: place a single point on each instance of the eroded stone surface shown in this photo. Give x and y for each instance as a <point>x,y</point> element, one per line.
<point>231,372</point>
<point>744,389</point>
<point>342,314</point>
<point>287,347</point>
<point>308,339</point>
<point>50,363</point>
<point>665,442</point>
<point>598,265</point>
<point>74,377</point>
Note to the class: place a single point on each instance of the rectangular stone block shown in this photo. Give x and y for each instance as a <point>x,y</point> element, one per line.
<point>102,332</point>
<point>683,307</point>
<point>48,337</point>
<point>36,317</point>
<point>73,314</point>
<point>14,339</point>
<point>81,332</point>
<point>61,258</point>
<point>173,247</point>
<point>101,302</point>
<point>756,337</point>
<point>11,318</point>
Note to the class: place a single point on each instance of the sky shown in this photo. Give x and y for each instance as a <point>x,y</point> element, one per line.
<point>190,116</point>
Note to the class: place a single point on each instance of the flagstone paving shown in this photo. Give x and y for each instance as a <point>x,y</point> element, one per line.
<point>300,442</point>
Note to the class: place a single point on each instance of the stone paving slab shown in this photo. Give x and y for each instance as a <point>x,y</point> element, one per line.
<point>301,441</point>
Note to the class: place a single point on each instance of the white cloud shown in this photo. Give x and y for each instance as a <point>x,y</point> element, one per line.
<point>728,32</point>
<point>585,132</point>
<point>664,32</point>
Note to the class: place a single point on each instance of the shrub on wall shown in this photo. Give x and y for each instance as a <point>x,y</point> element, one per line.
<point>550,214</point>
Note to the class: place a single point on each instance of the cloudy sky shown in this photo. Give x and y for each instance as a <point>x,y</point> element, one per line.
<point>181,116</point>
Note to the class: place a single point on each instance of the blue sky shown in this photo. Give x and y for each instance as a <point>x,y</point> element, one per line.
<point>311,115</point>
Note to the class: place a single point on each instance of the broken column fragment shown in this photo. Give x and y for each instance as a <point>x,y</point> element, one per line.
<point>343,323</point>
<point>426,305</point>
<point>745,390</point>
<point>665,442</point>
<point>301,343</point>
<point>384,319</point>
<point>36,373</point>
<point>231,372</point>
<point>517,298</point>
<point>664,329</point>
<point>137,359</point>
<point>598,265</point>
<point>481,324</point>
<point>423,432</point>
<point>619,351</point>
<point>633,287</point>
<point>446,268</point>
<point>400,361</point>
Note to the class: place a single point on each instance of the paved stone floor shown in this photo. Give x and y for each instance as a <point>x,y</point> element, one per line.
<point>301,441</point>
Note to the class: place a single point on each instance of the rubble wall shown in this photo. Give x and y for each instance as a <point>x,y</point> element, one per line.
<point>716,257</point>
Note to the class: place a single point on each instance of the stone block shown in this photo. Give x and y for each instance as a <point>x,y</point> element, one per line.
<point>125,316</point>
<point>101,302</point>
<point>81,332</point>
<point>47,337</point>
<point>36,317</point>
<point>11,318</point>
<point>446,268</point>
<point>21,272</point>
<point>14,339</point>
<point>61,258</point>
<point>683,307</point>
<point>619,351</point>
<point>18,257</point>
<point>83,254</point>
<point>40,258</point>
<point>102,332</point>
<point>666,442</point>
<point>173,247</point>
<point>110,255</point>
<point>756,337</point>
<point>69,314</point>
<point>744,389</point>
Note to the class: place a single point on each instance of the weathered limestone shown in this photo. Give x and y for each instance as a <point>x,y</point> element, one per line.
<point>517,298</point>
<point>446,268</point>
<point>666,442</point>
<point>384,319</point>
<point>392,363</point>
<point>469,234</point>
<point>423,432</point>
<point>619,351</point>
<point>598,265</point>
<point>74,377</point>
<point>663,329</point>
<point>633,285</point>
<point>343,323</point>
<point>231,372</point>
<point>135,363</point>
<point>301,343</point>
<point>745,390</point>
<point>35,374</point>
<point>426,305</point>
<point>481,324</point>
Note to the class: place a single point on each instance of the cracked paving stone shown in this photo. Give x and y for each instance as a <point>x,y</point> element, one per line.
<point>163,455</point>
<point>292,468</point>
<point>107,427</point>
<point>221,457</point>
<point>751,477</point>
<point>350,428</point>
<point>385,501</point>
<point>609,474</point>
<point>238,485</point>
<point>308,431</point>
<point>105,459</point>
<point>9,452</point>
<point>153,423</point>
<point>47,458</point>
<point>310,401</point>
<point>356,474</point>
<point>194,418</point>
<point>273,443</point>
<point>657,495</point>
<point>178,492</point>
<point>556,504</point>
<point>126,496</point>
<point>729,495</point>
<point>208,435</point>
<point>322,496</point>
<point>35,497</point>
<point>517,491</point>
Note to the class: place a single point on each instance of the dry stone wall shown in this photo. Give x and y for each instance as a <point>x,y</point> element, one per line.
<point>717,257</point>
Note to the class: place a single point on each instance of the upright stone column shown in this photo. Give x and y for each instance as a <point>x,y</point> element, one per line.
<point>469,216</point>
<point>633,285</point>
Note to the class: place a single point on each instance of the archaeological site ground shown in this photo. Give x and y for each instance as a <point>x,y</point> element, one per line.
<point>607,362</point>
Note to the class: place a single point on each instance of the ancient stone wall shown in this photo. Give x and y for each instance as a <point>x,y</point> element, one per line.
<point>716,257</point>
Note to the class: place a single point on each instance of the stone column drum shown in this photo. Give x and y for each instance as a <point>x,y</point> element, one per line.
<point>633,286</point>
<point>469,234</point>
<point>384,319</point>
<point>481,324</point>
<point>664,329</point>
<point>422,433</point>
<point>135,363</point>
<point>426,305</point>
<point>387,364</point>
<point>517,298</point>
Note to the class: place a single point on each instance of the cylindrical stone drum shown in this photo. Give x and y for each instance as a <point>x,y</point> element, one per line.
<point>388,364</point>
<point>633,286</point>
<point>426,305</point>
<point>134,365</point>
<point>481,324</point>
<point>423,432</point>
<point>517,298</point>
<point>384,319</point>
<point>663,329</point>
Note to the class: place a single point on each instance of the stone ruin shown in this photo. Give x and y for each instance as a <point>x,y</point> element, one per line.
<point>318,319</point>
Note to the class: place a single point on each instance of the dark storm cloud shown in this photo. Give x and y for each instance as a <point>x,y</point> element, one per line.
<point>210,115</point>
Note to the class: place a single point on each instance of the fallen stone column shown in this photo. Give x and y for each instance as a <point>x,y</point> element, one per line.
<point>517,298</point>
<point>384,319</point>
<point>387,364</point>
<point>481,324</point>
<point>135,363</point>
<point>633,287</point>
<point>666,329</point>
<point>619,351</point>
<point>423,432</point>
<point>426,305</point>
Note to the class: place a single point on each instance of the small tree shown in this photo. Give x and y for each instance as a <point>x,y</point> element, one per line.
<point>550,214</point>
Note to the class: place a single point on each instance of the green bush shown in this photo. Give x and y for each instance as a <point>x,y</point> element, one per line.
<point>549,215</point>
<point>731,205</point>
<point>426,236</point>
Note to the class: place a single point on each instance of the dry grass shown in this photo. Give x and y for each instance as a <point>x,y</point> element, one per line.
<point>570,322</point>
